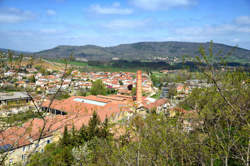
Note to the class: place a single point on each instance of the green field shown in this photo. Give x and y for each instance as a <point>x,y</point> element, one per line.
<point>76,63</point>
<point>106,68</point>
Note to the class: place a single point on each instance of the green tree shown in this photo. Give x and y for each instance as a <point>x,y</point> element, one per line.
<point>66,139</point>
<point>10,58</point>
<point>32,79</point>
<point>172,91</point>
<point>93,126</point>
<point>98,88</point>
<point>20,60</point>
<point>133,92</point>
<point>105,129</point>
<point>120,82</point>
<point>155,80</point>
<point>53,155</point>
<point>71,57</point>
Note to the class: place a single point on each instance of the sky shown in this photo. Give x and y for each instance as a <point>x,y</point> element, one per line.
<point>35,25</point>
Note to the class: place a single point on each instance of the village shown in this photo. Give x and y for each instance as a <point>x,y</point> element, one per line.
<point>125,83</point>
<point>38,90</point>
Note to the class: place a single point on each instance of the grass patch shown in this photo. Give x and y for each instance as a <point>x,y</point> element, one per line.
<point>102,67</point>
<point>20,118</point>
<point>157,95</point>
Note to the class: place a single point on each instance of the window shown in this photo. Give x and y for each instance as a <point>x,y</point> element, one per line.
<point>24,148</point>
<point>48,141</point>
<point>23,157</point>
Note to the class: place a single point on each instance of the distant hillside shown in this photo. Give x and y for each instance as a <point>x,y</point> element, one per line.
<point>14,51</point>
<point>143,51</point>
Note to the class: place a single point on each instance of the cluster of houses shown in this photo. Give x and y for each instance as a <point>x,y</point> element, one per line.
<point>184,88</point>
<point>35,80</point>
<point>117,80</point>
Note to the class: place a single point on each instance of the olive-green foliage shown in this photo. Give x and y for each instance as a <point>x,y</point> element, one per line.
<point>225,116</point>
<point>62,95</point>
<point>53,155</point>
<point>155,80</point>
<point>133,92</point>
<point>98,88</point>
<point>172,91</point>
<point>20,118</point>
<point>120,82</point>
<point>157,94</point>
<point>32,79</point>
<point>82,92</point>
<point>42,70</point>
<point>11,88</point>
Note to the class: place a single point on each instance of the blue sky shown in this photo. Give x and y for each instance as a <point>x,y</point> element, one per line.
<point>34,25</point>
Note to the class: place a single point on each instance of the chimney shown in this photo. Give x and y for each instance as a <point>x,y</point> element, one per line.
<point>139,87</point>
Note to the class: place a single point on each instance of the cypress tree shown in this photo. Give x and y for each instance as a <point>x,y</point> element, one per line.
<point>93,128</point>
<point>65,141</point>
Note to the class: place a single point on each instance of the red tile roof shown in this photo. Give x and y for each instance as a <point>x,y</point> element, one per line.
<point>30,131</point>
<point>156,104</point>
<point>114,104</point>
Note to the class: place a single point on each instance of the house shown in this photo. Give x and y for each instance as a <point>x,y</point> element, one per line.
<point>14,98</point>
<point>105,106</point>
<point>9,73</point>
<point>150,104</point>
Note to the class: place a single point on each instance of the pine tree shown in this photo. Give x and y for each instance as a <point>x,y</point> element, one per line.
<point>65,141</point>
<point>93,127</point>
<point>98,88</point>
<point>105,129</point>
<point>83,135</point>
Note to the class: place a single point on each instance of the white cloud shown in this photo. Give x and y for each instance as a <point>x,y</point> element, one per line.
<point>161,4</point>
<point>14,15</point>
<point>243,20</point>
<point>125,24</point>
<point>114,9</point>
<point>212,30</point>
<point>232,34</point>
<point>50,12</point>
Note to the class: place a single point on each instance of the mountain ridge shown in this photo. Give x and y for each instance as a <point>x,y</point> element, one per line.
<point>143,51</point>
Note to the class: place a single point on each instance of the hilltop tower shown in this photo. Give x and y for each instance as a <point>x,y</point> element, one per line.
<point>139,87</point>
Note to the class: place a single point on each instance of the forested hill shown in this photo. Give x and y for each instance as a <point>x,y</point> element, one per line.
<point>142,50</point>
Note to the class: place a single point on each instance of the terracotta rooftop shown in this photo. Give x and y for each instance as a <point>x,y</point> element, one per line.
<point>30,131</point>
<point>156,104</point>
<point>87,105</point>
